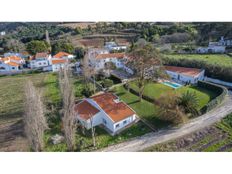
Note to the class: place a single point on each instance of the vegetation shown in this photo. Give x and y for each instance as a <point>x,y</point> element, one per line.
<point>216,138</point>
<point>37,46</point>
<point>63,46</point>
<point>155,90</point>
<point>144,57</point>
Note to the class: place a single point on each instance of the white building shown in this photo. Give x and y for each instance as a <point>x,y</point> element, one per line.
<point>112,46</point>
<point>105,109</point>
<point>185,75</point>
<point>99,61</point>
<point>63,55</point>
<point>8,66</point>
<point>58,64</point>
<point>40,60</point>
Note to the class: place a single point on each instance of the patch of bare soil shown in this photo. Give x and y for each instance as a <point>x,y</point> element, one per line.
<point>12,137</point>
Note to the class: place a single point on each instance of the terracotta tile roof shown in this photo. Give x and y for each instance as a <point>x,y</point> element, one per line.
<point>41,55</point>
<point>116,111</point>
<point>61,54</point>
<point>60,61</point>
<point>12,63</point>
<point>85,110</point>
<point>110,55</point>
<point>185,71</point>
<point>14,58</point>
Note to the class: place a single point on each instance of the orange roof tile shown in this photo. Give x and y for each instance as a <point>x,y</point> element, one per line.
<point>61,54</point>
<point>60,61</point>
<point>116,111</point>
<point>12,63</point>
<point>185,71</point>
<point>85,110</point>
<point>111,55</point>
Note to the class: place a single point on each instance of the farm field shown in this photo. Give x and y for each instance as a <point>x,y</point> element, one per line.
<point>217,138</point>
<point>214,59</point>
<point>12,137</point>
<point>155,90</point>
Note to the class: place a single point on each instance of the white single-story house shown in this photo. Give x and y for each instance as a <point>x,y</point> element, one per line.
<point>185,75</point>
<point>105,109</point>
<point>211,49</point>
<point>58,64</point>
<point>40,60</point>
<point>63,55</point>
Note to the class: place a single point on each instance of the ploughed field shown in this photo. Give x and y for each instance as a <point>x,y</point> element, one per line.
<point>217,138</point>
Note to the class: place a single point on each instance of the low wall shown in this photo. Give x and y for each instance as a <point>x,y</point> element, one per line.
<point>217,81</point>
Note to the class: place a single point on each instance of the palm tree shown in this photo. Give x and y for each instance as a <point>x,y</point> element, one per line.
<point>189,102</point>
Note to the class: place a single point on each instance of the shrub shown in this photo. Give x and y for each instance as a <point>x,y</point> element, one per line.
<point>107,83</point>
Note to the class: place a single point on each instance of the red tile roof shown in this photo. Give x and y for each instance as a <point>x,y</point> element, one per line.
<point>61,54</point>
<point>60,61</point>
<point>12,63</point>
<point>41,55</point>
<point>85,110</point>
<point>116,111</point>
<point>111,55</point>
<point>185,71</point>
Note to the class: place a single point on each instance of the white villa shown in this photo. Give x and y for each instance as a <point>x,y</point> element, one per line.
<point>63,55</point>
<point>58,64</point>
<point>118,59</point>
<point>185,75</point>
<point>107,110</point>
<point>40,60</point>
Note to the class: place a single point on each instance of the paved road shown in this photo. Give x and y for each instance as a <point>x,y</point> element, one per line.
<point>150,139</point>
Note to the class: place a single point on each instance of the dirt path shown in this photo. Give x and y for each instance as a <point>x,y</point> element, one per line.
<point>150,139</point>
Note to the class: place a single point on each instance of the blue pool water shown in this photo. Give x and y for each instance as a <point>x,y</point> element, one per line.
<point>173,85</point>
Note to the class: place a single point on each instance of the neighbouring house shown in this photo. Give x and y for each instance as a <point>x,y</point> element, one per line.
<point>58,64</point>
<point>99,61</point>
<point>8,66</point>
<point>107,110</point>
<point>2,33</point>
<point>40,60</point>
<point>112,46</point>
<point>185,75</point>
<point>63,55</point>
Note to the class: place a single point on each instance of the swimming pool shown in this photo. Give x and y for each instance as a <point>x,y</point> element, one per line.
<point>172,84</point>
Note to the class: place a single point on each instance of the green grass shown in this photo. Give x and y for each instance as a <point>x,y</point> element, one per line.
<point>214,59</point>
<point>12,95</point>
<point>144,108</point>
<point>155,90</point>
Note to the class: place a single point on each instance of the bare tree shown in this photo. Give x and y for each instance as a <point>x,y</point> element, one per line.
<point>68,120</point>
<point>89,72</point>
<point>35,122</point>
<point>145,60</point>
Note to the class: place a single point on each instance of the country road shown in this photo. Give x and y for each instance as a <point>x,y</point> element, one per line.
<point>150,139</point>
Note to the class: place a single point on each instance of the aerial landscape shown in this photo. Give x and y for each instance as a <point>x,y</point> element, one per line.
<point>115,86</point>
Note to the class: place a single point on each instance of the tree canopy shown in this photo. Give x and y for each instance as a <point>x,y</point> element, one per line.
<point>36,46</point>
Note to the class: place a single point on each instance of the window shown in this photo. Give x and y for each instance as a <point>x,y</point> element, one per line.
<point>104,121</point>
<point>117,126</point>
<point>44,63</point>
<point>125,122</point>
<point>13,67</point>
<point>39,63</point>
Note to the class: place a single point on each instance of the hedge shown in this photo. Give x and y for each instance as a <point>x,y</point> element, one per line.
<point>220,90</point>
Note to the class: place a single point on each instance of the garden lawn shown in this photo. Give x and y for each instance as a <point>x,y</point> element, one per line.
<point>144,108</point>
<point>214,59</point>
<point>155,90</point>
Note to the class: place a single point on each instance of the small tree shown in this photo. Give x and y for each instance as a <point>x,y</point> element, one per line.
<point>168,109</point>
<point>34,119</point>
<point>189,102</point>
<point>68,120</point>
<point>36,46</point>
